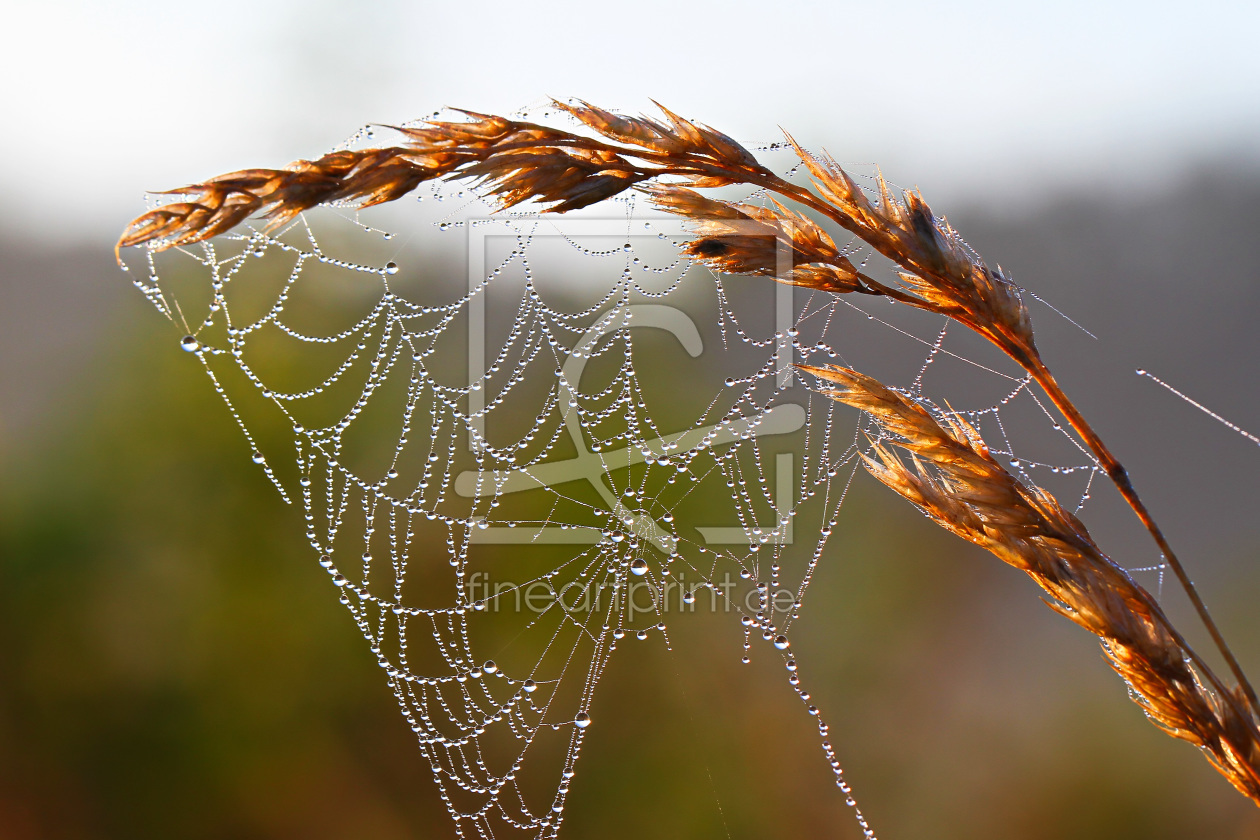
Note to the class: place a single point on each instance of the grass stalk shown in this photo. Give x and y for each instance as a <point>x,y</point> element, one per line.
<point>670,159</point>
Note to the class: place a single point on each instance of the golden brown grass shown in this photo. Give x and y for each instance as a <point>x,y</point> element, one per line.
<point>954,480</point>
<point>952,477</point>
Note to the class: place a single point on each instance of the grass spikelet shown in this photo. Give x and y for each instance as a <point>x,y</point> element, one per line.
<point>954,480</point>
<point>767,241</point>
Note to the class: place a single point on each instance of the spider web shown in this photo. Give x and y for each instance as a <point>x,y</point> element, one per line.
<point>522,442</point>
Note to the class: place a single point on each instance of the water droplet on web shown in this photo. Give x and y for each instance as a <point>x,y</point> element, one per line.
<point>781,642</point>
<point>582,720</point>
<point>529,685</point>
<point>257,458</point>
<point>490,667</point>
<point>391,267</point>
<point>639,566</point>
<point>190,344</point>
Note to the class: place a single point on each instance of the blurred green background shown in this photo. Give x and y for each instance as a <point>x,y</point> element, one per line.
<point>173,663</point>
<point>176,665</point>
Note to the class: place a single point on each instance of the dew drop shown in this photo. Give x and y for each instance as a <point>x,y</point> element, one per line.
<point>190,344</point>
<point>391,267</point>
<point>639,566</point>
<point>257,458</point>
<point>529,686</point>
<point>490,667</point>
<point>781,642</point>
<point>582,720</point>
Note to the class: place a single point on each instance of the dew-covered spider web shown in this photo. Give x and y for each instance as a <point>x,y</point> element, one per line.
<point>523,442</point>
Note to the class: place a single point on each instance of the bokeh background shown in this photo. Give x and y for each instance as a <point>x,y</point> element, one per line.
<point>174,665</point>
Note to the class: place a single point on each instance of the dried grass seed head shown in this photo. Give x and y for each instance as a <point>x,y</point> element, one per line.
<point>953,479</point>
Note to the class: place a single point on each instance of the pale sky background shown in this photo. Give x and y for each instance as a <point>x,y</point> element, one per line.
<point>972,100</point>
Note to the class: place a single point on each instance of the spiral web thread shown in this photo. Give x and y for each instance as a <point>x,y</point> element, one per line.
<point>509,470</point>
